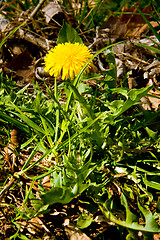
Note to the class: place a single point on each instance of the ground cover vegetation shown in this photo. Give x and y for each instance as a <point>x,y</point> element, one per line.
<point>79,117</point>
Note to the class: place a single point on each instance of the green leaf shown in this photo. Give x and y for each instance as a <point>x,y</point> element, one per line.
<point>131,222</point>
<point>154,185</point>
<point>130,217</point>
<point>36,203</point>
<point>84,220</point>
<point>66,188</point>
<point>14,121</point>
<point>137,94</point>
<point>151,223</point>
<point>57,179</point>
<point>151,133</point>
<point>134,95</point>
<point>155,50</point>
<point>68,34</point>
<point>23,237</point>
<point>57,195</point>
<point>28,121</point>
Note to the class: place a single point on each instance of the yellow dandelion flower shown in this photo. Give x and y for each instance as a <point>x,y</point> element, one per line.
<point>67,59</point>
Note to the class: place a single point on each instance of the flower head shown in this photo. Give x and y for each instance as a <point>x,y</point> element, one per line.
<point>67,59</point>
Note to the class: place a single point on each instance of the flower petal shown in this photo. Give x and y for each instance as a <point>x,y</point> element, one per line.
<point>67,58</point>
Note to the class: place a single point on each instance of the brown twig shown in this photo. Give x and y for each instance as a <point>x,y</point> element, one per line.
<point>7,187</point>
<point>36,9</point>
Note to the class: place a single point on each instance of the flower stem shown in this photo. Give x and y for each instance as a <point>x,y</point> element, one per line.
<point>88,111</point>
<point>57,111</point>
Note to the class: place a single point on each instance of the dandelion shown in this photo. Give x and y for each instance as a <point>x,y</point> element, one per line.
<point>67,59</point>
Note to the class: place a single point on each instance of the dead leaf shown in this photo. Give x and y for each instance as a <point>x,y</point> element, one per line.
<point>25,75</point>
<point>33,226</point>
<point>153,100</point>
<point>133,20</point>
<point>136,25</point>
<point>46,182</point>
<point>146,104</point>
<point>36,224</point>
<point>128,25</point>
<point>5,25</point>
<point>51,9</point>
<point>117,28</point>
<point>73,232</point>
<point>156,236</point>
<point>10,156</point>
<point>20,61</point>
